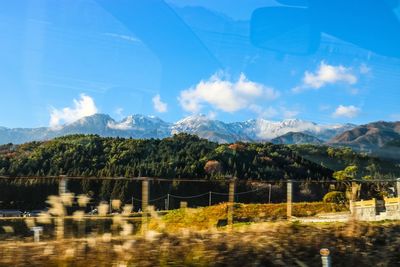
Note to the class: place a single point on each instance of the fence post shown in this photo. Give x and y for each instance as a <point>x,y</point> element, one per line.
<point>167,203</point>
<point>231,201</point>
<point>37,230</point>
<point>269,193</point>
<point>145,204</point>
<point>59,220</point>
<point>353,199</point>
<point>398,187</point>
<point>289,195</point>
<point>62,185</point>
<point>209,198</point>
<point>325,257</point>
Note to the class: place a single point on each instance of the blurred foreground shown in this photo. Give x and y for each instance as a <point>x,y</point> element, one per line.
<point>257,244</point>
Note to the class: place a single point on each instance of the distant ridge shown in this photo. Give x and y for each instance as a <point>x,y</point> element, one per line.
<point>369,136</point>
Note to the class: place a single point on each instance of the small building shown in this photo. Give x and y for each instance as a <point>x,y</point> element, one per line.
<point>10,213</point>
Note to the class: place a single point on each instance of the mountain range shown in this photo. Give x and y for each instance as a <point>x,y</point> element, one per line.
<point>141,126</point>
<point>372,136</point>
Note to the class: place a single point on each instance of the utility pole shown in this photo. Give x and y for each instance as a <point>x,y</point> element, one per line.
<point>167,203</point>
<point>231,201</point>
<point>269,194</point>
<point>62,186</point>
<point>353,198</point>
<point>398,187</point>
<point>59,221</point>
<point>289,200</point>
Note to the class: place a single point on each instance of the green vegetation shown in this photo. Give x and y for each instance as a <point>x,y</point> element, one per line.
<point>179,156</point>
<point>338,158</point>
<point>335,197</point>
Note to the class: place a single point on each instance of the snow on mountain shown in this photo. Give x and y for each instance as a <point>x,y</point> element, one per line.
<point>260,129</point>
<point>138,122</point>
<point>204,127</point>
<point>141,126</point>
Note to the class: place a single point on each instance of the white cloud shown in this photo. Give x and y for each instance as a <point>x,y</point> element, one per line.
<point>82,107</point>
<point>158,105</point>
<point>225,95</point>
<point>346,111</point>
<point>326,74</point>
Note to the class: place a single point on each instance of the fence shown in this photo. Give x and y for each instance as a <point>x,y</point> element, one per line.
<point>268,200</point>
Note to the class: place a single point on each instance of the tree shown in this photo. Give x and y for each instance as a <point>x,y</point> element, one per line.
<point>335,197</point>
<point>346,176</point>
<point>213,167</point>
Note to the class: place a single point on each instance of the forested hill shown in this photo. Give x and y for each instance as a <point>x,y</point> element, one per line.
<point>178,156</point>
<point>182,155</point>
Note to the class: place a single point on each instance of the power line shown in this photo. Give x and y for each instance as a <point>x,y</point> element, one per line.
<point>177,180</point>
<point>186,197</point>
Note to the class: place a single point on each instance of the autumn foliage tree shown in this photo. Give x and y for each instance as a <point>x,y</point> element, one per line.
<point>213,167</point>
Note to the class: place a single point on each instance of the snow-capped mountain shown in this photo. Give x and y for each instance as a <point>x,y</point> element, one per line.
<point>214,130</point>
<point>260,129</point>
<point>141,126</point>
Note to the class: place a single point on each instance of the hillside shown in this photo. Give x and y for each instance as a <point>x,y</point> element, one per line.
<point>179,156</point>
<point>337,158</point>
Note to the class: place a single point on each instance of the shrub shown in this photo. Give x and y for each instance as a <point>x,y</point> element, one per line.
<point>335,197</point>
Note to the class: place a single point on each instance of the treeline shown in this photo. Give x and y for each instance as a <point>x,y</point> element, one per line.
<point>338,158</point>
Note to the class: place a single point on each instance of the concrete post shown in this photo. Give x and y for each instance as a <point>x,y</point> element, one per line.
<point>354,190</point>
<point>167,203</point>
<point>37,230</point>
<point>145,204</point>
<point>269,193</point>
<point>59,221</point>
<point>59,225</point>
<point>353,198</point>
<point>62,186</point>
<point>289,195</point>
<point>398,187</point>
<point>231,201</point>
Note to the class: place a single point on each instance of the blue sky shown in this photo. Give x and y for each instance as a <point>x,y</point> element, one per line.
<point>230,60</point>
